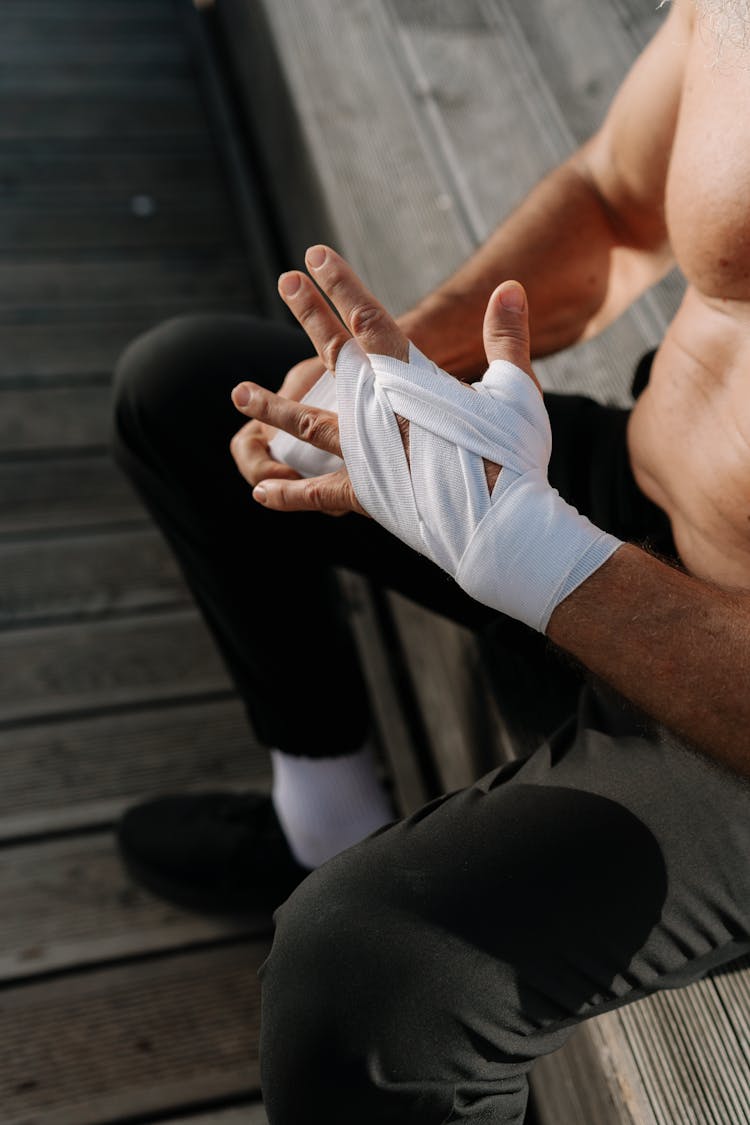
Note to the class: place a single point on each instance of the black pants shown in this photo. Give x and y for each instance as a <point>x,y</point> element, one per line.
<point>416,977</point>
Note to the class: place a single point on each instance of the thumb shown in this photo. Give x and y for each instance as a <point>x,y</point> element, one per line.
<point>506,327</point>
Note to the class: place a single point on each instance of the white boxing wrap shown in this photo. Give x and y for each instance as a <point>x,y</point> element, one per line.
<point>306,459</point>
<point>522,550</point>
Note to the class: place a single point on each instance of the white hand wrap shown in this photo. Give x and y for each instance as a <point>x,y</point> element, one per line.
<point>524,549</point>
<point>306,459</point>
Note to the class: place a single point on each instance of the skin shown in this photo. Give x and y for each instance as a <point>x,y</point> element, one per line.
<point>657,184</point>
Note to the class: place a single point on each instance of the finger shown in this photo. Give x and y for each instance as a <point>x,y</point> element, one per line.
<point>372,327</point>
<point>327,334</point>
<point>506,327</point>
<point>316,427</point>
<point>250,453</point>
<point>332,494</point>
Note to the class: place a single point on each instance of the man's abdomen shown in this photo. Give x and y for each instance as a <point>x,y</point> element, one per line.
<point>689,437</point>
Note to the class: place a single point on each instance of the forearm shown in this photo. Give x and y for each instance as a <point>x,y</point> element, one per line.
<point>673,645</point>
<point>565,245</point>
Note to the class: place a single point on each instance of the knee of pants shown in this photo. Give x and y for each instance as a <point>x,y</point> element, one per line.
<point>421,973</point>
<point>363,1002</point>
<point>162,382</point>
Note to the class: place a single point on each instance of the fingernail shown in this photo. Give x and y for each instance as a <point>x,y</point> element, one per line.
<point>513,297</point>
<point>260,494</point>
<point>315,257</point>
<point>241,395</point>
<point>289,283</point>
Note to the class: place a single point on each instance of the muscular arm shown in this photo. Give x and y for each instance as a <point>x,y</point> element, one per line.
<point>590,238</point>
<point>674,645</point>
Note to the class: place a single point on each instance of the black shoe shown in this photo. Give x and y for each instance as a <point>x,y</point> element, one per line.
<point>216,852</point>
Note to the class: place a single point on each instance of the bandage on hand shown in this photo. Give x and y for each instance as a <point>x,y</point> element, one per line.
<point>521,549</point>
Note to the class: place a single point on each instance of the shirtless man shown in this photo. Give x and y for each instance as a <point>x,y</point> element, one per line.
<point>416,976</point>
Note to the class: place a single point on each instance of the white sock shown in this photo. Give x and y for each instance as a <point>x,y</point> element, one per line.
<point>325,805</point>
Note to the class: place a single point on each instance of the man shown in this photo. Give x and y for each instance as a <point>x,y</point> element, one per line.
<point>416,976</point>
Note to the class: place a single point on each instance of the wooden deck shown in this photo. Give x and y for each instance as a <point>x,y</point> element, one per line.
<point>113,215</point>
<point>116,1008</point>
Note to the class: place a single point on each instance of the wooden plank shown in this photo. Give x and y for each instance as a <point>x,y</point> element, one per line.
<point>104,228</point>
<point>455,705</point>
<point>89,575</point>
<point>63,669</point>
<point>593,1080</point>
<point>733,988</point>
<point>37,174</point>
<point>84,27</point>
<point>495,148</point>
<point>568,1086</point>
<point>691,1064</point>
<point>137,1040</point>
<point>127,78</point>
<point>64,493</point>
<point>394,173</point>
<point>64,351</point>
<point>57,418</point>
<point>69,774</point>
<point>69,285</point>
<point>69,115</point>
<point>66,313</point>
<point>394,736</point>
<point>248,1115</point>
<point>70,902</point>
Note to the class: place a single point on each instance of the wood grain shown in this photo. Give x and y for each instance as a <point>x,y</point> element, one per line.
<point>77,772</point>
<point>88,575</point>
<point>63,669</point>
<point>141,1038</point>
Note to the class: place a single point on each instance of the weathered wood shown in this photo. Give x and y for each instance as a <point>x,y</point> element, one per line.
<point>107,51</point>
<point>66,286</point>
<point>593,1080</point>
<point>691,1062</point>
<point>63,669</point>
<point>84,75</point>
<point>71,902</point>
<point>110,227</point>
<point>79,772</point>
<point>83,27</point>
<point>151,1036</point>
<point>40,174</point>
<point>58,418</point>
<point>485,174</point>
<point>38,115</point>
<point>81,576</point>
<point>373,200</point>
<point>248,1115</point>
<point>63,493</point>
<point>396,739</point>
<point>454,700</point>
<point>65,351</point>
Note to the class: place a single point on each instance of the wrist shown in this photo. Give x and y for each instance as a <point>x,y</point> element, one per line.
<point>531,552</point>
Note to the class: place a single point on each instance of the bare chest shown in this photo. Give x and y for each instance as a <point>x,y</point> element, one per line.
<point>708,187</point>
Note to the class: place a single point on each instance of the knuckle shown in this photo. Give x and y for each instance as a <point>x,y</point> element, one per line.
<point>366,319</point>
<point>308,425</point>
<point>313,494</point>
<point>306,312</point>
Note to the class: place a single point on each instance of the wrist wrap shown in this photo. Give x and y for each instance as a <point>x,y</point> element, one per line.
<point>521,550</point>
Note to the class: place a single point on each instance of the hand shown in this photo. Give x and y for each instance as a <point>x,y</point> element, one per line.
<point>506,337</point>
<point>249,446</point>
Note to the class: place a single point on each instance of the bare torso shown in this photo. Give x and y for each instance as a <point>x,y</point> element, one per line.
<point>689,434</point>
